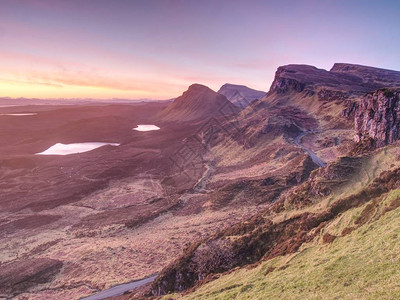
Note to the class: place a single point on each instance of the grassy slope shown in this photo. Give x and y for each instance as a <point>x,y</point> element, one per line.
<point>372,165</point>
<point>362,265</point>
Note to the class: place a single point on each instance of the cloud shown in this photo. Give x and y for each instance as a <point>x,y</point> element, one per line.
<point>30,82</point>
<point>23,68</point>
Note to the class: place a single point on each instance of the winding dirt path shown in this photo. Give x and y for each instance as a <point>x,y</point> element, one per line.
<point>120,289</point>
<point>313,156</point>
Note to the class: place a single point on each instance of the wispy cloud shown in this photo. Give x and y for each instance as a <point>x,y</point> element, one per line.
<point>18,82</point>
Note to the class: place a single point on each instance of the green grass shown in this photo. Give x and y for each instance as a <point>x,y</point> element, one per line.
<point>362,265</point>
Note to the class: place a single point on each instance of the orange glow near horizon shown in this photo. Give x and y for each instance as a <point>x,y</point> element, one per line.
<point>44,91</point>
<point>32,76</point>
<point>156,49</point>
<point>36,77</point>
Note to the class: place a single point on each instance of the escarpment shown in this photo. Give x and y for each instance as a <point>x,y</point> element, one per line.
<point>378,117</point>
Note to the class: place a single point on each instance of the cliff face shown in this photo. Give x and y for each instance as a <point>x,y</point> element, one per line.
<point>378,117</point>
<point>293,77</point>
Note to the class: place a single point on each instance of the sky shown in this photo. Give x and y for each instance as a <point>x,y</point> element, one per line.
<point>155,49</point>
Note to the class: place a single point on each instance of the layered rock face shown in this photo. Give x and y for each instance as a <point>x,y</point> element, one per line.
<point>285,80</point>
<point>378,117</point>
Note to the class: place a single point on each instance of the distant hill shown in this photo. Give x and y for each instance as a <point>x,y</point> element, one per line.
<point>240,95</point>
<point>198,102</point>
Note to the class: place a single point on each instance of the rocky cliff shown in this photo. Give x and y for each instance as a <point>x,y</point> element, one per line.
<point>378,117</point>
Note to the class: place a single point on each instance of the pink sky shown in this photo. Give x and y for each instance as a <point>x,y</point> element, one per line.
<point>156,49</point>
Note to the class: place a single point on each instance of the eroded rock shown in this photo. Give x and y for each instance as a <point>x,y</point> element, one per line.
<point>378,117</point>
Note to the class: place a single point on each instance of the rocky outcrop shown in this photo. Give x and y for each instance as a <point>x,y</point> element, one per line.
<point>323,182</point>
<point>331,95</point>
<point>378,117</point>
<point>285,81</point>
<point>350,111</point>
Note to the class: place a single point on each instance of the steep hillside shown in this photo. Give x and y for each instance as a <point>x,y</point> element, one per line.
<point>240,95</point>
<point>198,103</point>
<point>363,264</point>
<point>342,213</point>
<point>307,99</point>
